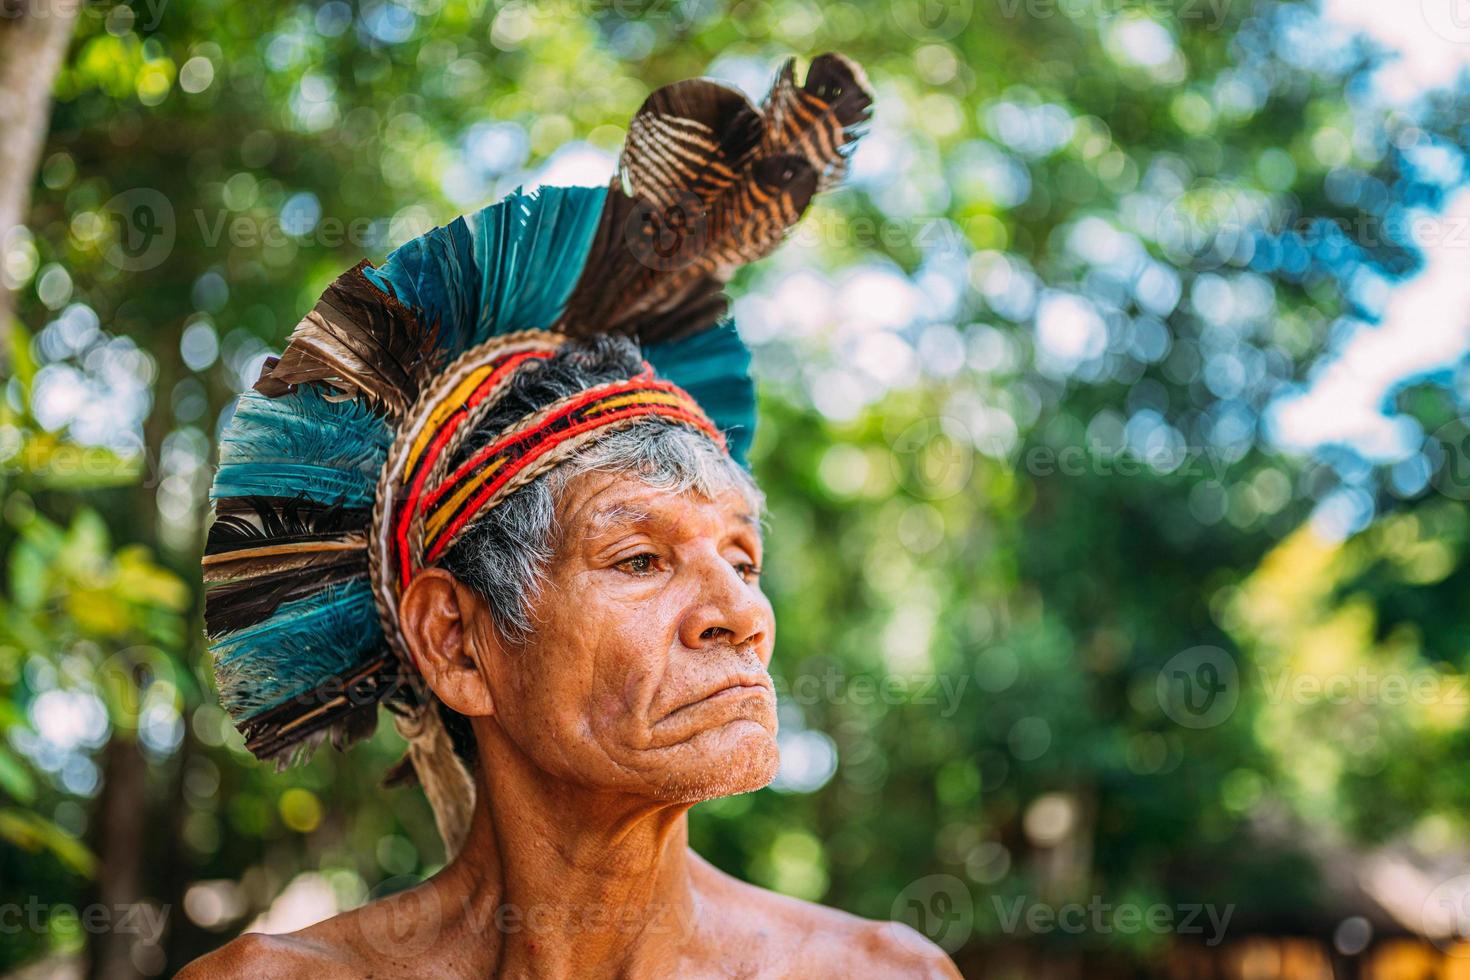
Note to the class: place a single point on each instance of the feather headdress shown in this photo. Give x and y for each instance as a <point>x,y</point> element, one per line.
<point>335,485</point>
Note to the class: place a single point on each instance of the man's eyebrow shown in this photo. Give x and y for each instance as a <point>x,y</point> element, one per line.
<point>616,516</point>
<point>619,516</point>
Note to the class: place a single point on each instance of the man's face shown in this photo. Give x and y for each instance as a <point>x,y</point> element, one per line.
<point>647,670</point>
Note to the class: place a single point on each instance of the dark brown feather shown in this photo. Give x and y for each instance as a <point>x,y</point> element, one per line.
<point>337,709</point>
<point>821,117</point>
<point>261,585</point>
<point>257,521</point>
<point>360,341</point>
<point>753,219</point>
<point>687,144</point>
<point>263,551</point>
<point>676,224</point>
<point>747,223</point>
<point>280,559</point>
<point>690,138</point>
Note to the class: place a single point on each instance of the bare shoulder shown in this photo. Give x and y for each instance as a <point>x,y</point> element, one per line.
<point>842,944</point>
<point>395,936</point>
<point>261,957</point>
<point>827,942</point>
<point>899,950</point>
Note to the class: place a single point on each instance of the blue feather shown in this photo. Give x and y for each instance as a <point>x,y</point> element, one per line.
<point>263,449</point>
<point>320,484</point>
<point>510,266</point>
<point>302,644</point>
<point>714,367</point>
<point>435,275</point>
<point>541,242</point>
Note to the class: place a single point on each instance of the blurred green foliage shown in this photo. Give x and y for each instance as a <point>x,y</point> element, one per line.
<point>1014,440</point>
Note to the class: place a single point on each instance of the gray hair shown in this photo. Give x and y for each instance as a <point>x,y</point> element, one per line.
<point>504,555</point>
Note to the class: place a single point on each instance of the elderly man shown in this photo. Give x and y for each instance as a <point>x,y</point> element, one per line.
<point>542,553</point>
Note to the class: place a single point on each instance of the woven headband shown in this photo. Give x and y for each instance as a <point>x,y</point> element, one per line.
<point>423,507</point>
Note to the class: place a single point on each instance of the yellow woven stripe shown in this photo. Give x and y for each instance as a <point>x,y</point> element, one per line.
<point>454,400</point>
<point>451,503</point>
<point>638,398</point>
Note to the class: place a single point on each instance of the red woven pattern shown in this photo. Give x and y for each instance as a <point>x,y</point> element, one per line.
<point>522,453</point>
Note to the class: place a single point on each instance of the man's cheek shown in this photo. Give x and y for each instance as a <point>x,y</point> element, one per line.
<point>618,694</point>
<point>606,713</point>
<point>617,724</point>
<point>635,632</point>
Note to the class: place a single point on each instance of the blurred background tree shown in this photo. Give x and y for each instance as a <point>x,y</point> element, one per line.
<point>1111,407</point>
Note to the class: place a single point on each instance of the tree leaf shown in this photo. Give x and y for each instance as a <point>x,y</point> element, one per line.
<point>15,779</point>
<point>35,833</point>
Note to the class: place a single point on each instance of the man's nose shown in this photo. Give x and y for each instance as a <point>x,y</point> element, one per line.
<point>728,610</point>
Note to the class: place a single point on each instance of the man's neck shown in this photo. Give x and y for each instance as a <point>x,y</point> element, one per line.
<point>568,883</point>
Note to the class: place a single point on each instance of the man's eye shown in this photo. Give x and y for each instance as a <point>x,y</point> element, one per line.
<point>748,570</point>
<point>639,564</point>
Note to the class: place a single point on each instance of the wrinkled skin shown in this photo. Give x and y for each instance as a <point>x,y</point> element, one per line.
<point>647,671</point>
<point>643,690</point>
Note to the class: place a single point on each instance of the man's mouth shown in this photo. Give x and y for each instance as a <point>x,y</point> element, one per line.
<point>734,689</point>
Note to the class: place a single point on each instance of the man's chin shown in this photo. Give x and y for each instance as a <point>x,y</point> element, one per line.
<point>738,757</point>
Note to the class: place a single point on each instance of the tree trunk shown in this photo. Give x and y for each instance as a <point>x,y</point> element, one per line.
<point>33,40</point>
<point>120,827</point>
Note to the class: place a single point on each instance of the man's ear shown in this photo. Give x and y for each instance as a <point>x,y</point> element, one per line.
<point>436,614</point>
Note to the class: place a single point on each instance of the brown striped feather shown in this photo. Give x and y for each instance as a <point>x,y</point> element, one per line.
<point>707,184</point>
<point>358,340</point>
